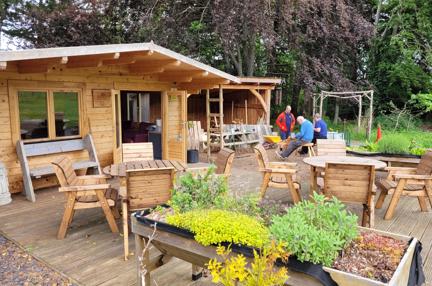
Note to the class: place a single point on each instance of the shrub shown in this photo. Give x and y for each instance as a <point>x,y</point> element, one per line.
<point>197,191</point>
<point>247,204</point>
<point>394,144</point>
<point>315,231</point>
<point>217,226</point>
<point>233,271</point>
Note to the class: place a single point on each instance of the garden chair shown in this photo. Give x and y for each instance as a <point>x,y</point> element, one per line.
<point>352,183</point>
<point>223,162</point>
<point>84,192</point>
<point>137,151</point>
<point>145,188</point>
<point>279,175</point>
<point>331,147</point>
<point>402,181</point>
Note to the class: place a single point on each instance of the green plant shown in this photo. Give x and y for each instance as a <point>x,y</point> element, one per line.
<point>217,226</point>
<point>247,204</point>
<point>418,151</point>
<point>394,144</point>
<point>233,271</point>
<point>197,191</point>
<point>315,231</point>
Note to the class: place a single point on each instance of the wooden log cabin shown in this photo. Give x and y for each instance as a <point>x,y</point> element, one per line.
<point>120,93</point>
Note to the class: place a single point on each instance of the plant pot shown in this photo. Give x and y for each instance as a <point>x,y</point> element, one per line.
<point>374,154</point>
<point>400,276</point>
<point>192,156</point>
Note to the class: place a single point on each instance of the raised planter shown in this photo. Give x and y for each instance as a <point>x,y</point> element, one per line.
<point>400,276</point>
<point>374,154</point>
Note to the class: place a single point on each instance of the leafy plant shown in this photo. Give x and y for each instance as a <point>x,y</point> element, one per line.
<point>217,226</point>
<point>197,191</point>
<point>394,144</point>
<point>248,204</point>
<point>315,231</point>
<point>233,271</point>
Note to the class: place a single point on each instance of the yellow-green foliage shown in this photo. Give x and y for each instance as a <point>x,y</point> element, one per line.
<point>233,271</point>
<point>216,226</point>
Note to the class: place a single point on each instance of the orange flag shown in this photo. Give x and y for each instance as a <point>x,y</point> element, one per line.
<point>379,135</point>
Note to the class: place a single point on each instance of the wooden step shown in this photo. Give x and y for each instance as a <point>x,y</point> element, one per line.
<point>214,99</point>
<point>214,129</point>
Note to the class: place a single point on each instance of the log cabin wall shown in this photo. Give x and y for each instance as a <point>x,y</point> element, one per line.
<point>197,107</point>
<point>95,111</point>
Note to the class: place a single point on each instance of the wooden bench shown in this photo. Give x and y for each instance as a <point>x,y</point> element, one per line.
<point>28,150</point>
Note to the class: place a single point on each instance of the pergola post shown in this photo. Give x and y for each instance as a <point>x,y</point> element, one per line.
<point>370,115</point>
<point>360,113</point>
<point>321,103</point>
<point>221,112</point>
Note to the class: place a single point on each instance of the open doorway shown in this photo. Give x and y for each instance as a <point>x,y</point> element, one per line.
<point>141,113</point>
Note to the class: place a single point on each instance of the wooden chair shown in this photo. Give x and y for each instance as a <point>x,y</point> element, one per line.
<point>84,192</point>
<point>352,184</point>
<point>331,147</point>
<point>279,175</point>
<point>402,181</point>
<point>223,162</point>
<point>145,188</point>
<point>137,151</point>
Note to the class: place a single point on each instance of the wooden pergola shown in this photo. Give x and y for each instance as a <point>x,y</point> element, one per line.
<point>350,95</point>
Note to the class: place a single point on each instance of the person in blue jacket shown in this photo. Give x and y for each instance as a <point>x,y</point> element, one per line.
<point>320,128</point>
<point>305,136</point>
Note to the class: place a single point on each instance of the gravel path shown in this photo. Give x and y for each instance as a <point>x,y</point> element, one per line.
<point>17,267</point>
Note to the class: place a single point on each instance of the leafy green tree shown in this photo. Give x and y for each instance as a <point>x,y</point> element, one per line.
<point>400,59</point>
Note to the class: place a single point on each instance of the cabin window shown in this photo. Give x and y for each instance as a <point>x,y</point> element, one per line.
<point>33,111</point>
<point>48,114</point>
<point>66,113</point>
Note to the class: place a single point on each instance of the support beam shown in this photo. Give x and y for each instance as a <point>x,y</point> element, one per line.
<point>221,115</point>
<point>39,66</point>
<point>267,98</point>
<point>260,99</point>
<point>90,61</point>
<point>370,115</point>
<point>146,67</point>
<point>248,86</point>
<point>208,124</point>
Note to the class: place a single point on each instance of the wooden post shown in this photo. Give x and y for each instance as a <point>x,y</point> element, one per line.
<point>232,111</point>
<point>246,112</point>
<point>313,105</point>
<point>267,98</point>
<point>370,115</point>
<point>321,103</point>
<point>360,113</point>
<point>208,122</point>
<point>221,116</point>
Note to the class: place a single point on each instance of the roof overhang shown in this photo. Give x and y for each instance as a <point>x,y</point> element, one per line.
<point>139,59</point>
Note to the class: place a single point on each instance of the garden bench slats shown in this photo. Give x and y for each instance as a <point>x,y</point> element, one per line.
<point>25,151</point>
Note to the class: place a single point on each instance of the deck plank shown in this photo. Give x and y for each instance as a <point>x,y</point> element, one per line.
<point>92,255</point>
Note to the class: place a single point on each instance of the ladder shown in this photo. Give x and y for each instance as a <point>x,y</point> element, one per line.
<point>215,130</point>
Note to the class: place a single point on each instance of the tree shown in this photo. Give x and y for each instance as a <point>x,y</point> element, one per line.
<point>400,60</point>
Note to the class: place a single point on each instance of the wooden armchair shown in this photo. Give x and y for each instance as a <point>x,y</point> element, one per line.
<point>145,188</point>
<point>331,147</point>
<point>223,162</point>
<point>137,151</point>
<point>83,192</point>
<point>352,184</point>
<point>279,175</point>
<point>401,181</point>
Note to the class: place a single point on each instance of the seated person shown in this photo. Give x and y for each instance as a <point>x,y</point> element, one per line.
<point>305,136</point>
<point>320,128</point>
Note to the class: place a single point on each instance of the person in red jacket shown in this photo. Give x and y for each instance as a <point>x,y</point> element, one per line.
<point>285,121</point>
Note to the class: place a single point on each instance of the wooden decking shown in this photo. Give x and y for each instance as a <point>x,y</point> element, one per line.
<point>91,255</point>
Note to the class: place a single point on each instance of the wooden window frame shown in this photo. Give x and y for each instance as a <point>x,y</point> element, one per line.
<point>49,90</point>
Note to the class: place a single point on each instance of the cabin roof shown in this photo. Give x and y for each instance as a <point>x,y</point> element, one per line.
<point>139,58</point>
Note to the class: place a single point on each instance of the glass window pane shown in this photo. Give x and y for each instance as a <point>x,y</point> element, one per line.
<point>66,113</point>
<point>33,114</point>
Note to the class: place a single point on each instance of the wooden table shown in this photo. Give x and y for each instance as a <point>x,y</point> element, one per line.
<point>172,245</point>
<point>318,164</point>
<point>119,170</point>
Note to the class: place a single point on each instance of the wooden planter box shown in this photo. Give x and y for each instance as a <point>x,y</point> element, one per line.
<point>398,160</point>
<point>400,277</point>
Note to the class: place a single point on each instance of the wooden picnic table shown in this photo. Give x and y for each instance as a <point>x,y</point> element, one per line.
<point>318,164</point>
<point>172,245</point>
<point>119,170</point>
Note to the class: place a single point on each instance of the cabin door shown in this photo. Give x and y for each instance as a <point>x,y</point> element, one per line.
<point>117,126</point>
<point>174,125</point>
